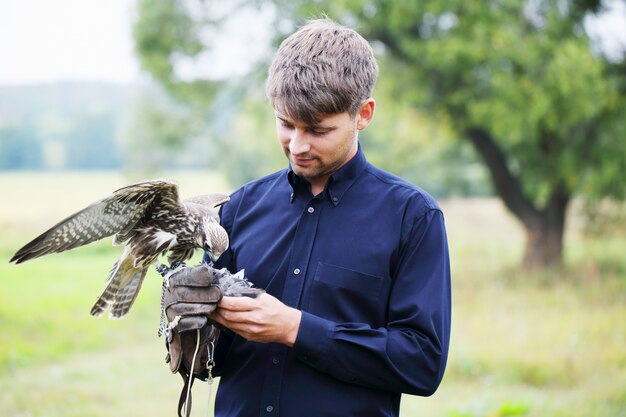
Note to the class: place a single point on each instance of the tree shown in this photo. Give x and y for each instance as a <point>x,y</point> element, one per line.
<point>520,81</point>
<point>20,148</point>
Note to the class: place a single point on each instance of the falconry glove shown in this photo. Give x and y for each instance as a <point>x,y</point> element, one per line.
<point>190,294</point>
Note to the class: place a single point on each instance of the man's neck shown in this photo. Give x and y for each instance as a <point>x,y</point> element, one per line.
<point>318,186</point>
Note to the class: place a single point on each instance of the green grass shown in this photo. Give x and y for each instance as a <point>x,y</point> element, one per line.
<point>522,345</point>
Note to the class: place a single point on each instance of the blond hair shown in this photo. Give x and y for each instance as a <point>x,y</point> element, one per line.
<point>323,68</point>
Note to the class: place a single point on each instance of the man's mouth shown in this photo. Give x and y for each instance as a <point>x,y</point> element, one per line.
<point>300,161</point>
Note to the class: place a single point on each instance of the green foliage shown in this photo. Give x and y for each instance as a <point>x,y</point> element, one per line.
<point>524,72</point>
<point>249,148</point>
<point>164,33</point>
<point>422,149</point>
<point>237,120</point>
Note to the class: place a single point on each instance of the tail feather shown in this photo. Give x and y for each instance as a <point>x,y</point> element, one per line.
<point>126,296</point>
<point>121,289</point>
<point>107,297</point>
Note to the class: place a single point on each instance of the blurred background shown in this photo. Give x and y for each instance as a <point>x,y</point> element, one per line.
<point>512,113</point>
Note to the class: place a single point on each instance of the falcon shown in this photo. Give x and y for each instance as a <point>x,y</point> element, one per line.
<point>151,221</point>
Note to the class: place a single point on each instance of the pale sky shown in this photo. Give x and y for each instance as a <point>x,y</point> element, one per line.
<point>53,40</point>
<point>610,28</point>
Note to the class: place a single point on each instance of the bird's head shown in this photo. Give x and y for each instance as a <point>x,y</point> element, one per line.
<point>214,239</point>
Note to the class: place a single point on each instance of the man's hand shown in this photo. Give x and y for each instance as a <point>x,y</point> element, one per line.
<point>262,319</point>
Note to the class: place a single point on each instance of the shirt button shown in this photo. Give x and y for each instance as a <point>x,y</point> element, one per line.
<point>275,361</point>
<point>269,408</point>
<point>296,271</point>
<point>310,209</point>
<point>335,199</point>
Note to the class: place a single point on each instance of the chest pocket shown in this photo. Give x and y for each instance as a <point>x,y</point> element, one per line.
<point>344,295</point>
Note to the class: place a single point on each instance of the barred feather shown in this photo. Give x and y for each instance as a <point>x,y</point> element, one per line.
<point>151,220</point>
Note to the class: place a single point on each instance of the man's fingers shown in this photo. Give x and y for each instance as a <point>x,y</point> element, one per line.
<point>238,303</point>
<point>261,319</point>
<point>232,316</point>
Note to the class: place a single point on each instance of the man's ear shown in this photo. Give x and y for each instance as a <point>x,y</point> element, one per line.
<point>365,114</point>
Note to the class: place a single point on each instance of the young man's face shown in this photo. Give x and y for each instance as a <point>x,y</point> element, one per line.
<point>316,151</point>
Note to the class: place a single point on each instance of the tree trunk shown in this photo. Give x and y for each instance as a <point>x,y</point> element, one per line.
<point>544,248</point>
<point>544,236</point>
<point>544,227</point>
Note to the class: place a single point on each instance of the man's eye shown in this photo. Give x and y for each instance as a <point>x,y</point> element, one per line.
<point>318,132</point>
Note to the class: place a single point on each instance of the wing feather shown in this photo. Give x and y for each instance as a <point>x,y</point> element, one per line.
<point>212,200</point>
<point>203,205</point>
<point>115,214</point>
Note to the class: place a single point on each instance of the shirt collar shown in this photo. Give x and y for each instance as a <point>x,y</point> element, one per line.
<point>338,183</point>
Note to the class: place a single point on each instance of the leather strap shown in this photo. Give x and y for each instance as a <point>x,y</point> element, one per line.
<point>187,384</point>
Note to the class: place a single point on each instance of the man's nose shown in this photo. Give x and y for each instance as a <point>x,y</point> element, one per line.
<point>298,143</point>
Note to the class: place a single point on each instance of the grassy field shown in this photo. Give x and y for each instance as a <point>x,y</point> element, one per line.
<point>522,345</point>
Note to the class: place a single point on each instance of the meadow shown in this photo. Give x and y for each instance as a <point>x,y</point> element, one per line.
<point>531,345</point>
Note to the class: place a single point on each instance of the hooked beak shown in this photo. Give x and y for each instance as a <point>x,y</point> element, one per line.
<point>214,256</point>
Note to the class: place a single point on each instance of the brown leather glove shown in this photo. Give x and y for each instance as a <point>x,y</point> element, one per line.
<point>188,300</point>
<point>190,294</point>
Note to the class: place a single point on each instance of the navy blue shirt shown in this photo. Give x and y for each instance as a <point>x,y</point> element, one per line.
<point>366,261</point>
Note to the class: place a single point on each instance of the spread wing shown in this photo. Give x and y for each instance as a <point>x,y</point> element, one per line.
<point>115,214</point>
<point>208,204</point>
<point>212,200</point>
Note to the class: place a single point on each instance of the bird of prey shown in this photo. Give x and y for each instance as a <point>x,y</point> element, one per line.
<point>149,217</point>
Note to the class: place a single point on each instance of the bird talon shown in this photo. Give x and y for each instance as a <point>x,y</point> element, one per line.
<point>162,269</point>
<point>177,264</point>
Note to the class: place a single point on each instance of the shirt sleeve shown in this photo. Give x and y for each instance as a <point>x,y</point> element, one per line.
<point>409,354</point>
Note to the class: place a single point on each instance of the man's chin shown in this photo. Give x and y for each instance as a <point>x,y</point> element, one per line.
<point>299,171</point>
<point>304,166</point>
<point>304,172</point>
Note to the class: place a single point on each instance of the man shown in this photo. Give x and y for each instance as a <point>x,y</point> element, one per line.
<point>354,259</point>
